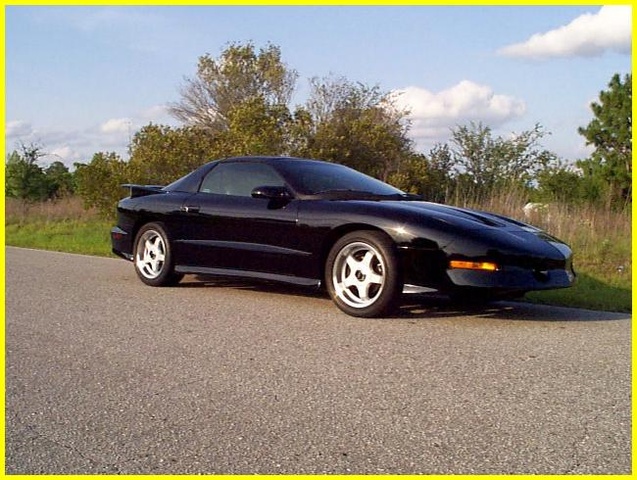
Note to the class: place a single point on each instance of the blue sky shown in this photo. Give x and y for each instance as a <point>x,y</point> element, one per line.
<point>83,79</point>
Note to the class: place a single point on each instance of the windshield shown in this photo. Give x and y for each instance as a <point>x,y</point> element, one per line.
<point>312,178</point>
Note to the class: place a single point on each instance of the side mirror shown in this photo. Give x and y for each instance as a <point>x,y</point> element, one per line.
<point>271,193</point>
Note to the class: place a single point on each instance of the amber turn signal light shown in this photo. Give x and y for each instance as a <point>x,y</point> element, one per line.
<point>488,266</point>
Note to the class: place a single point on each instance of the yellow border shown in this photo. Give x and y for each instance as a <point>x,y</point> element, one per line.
<point>370,3</point>
<point>2,254</point>
<point>272,3</point>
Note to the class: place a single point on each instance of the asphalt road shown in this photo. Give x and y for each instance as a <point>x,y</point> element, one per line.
<point>106,375</point>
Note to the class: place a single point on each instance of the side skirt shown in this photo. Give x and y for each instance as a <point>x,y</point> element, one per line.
<point>224,272</point>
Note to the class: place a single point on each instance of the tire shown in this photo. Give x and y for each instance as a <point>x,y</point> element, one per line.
<point>362,274</point>
<point>153,257</point>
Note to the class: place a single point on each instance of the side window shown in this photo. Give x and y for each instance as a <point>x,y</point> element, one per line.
<point>239,179</point>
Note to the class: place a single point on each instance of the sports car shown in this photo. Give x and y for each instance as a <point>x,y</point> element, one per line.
<point>314,223</point>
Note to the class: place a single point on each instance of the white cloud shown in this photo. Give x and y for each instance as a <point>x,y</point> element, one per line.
<point>157,114</point>
<point>65,154</point>
<point>17,129</point>
<point>433,114</point>
<point>73,144</point>
<point>610,29</point>
<point>116,126</point>
<point>154,112</point>
<point>70,145</point>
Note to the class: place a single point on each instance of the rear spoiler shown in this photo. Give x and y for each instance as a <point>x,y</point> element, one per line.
<point>143,190</point>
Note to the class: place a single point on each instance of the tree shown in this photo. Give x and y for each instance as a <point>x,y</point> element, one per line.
<point>59,180</point>
<point>24,178</point>
<point>222,85</point>
<point>99,183</point>
<point>563,183</point>
<point>256,128</point>
<point>241,100</point>
<point>484,163</point>
<point>441,184</point>
<point>610,132</point>
<point>353,124</point>
<point>161,154</point>
<point>427,175</point>
<point>412,176</point>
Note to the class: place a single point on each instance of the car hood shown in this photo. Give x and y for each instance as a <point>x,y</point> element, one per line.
<point>465,216</point>
<point>446,216</point>
<point>499,232</point>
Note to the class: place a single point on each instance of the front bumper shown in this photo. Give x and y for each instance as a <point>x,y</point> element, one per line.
<point>514,278</point>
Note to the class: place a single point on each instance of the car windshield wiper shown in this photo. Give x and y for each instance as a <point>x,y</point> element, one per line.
<point>403,196</point>
<point>345,192</point>
<point>353,194</point>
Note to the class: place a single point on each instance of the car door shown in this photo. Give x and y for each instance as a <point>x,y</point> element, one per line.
<point>228,229</point>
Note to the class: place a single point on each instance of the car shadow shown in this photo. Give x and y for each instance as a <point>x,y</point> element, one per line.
<point>423,306</point>
<point>204,281</point>
<point>439,306</point>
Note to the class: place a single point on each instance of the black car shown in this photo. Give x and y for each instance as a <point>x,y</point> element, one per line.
<point>308,222</point>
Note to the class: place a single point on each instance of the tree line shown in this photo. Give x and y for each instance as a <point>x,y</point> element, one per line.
<point>240,104</point>
<point>26,179</point>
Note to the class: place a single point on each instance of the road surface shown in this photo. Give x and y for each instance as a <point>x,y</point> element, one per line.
<point>107,375</point>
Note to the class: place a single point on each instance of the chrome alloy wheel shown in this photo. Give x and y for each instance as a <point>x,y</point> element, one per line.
<point>151,254</point>
<point>358,274</point>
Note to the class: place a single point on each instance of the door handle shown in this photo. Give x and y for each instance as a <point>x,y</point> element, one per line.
<point>190,208</point>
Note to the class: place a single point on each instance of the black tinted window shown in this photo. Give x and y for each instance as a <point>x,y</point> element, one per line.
<point>311,178</point>
<point>239,179</point>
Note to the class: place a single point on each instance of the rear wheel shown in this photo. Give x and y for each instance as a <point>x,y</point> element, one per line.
<point>363,275</point>
<point>153,256</point>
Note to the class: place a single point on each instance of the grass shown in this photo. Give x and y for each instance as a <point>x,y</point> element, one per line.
<point>589,293</point>
<point>71,236</point>
<point>63,226</point>
<point>601,242</point>
<point>600,239</point>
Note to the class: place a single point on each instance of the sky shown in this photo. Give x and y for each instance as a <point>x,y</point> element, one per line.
<point>81,80</point>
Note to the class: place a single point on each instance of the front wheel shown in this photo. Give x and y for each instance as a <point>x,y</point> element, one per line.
<point>153,257</point>
<point>363,275</point>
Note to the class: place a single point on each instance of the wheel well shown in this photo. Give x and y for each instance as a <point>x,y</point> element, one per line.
<point>139,223</point>
<point>338,233</point>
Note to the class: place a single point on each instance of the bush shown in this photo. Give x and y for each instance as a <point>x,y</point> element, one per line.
<point>99,183</point>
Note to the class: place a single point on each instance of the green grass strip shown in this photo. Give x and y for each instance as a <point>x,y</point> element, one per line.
<point>86,237</point>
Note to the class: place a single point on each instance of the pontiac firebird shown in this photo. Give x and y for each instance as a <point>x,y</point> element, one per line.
<point>314,223</point>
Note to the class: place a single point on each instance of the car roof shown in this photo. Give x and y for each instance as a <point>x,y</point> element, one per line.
<point>270,159</point>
